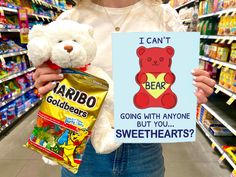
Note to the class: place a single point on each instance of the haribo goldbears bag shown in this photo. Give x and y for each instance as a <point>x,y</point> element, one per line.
<point>66,118</point>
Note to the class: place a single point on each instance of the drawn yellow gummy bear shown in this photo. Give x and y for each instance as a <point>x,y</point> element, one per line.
<point>74,140</point>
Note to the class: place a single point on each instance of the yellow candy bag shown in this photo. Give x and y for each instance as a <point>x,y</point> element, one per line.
<point>66,118</point>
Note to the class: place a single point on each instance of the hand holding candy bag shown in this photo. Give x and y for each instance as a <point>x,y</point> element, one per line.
<point>68,113</point>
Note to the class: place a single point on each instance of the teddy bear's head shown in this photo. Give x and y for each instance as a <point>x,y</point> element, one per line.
<point>155,59</point>
<point>66,43</point>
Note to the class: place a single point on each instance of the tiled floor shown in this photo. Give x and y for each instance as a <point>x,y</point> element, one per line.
<point>181,160</point>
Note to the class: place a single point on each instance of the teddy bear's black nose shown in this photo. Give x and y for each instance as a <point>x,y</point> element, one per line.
<point>68,48</point>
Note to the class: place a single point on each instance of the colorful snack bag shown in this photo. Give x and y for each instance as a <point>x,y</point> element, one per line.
<point>66,118</point>
<point>233,54</point>
<point>222,53</point>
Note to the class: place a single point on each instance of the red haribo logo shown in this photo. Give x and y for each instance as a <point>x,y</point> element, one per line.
<point>155,78</point>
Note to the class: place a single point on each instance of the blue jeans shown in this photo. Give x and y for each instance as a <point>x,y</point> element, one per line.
<point>130,160</point>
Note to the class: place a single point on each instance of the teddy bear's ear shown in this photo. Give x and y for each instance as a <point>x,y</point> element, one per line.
<point>37,31</point>
<point>140,51</point>
<point>170,50</point>
<point>39,50</point>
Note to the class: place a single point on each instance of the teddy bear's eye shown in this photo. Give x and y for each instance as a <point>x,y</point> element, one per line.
<point>149,59</point>
<point>59,41</point>
<point>75,40</point>
<point>161,59</point>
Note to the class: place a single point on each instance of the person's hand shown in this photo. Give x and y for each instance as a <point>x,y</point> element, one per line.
<point>204,84</point>
<point>45,78</point>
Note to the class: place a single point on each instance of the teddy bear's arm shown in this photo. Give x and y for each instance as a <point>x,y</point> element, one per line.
<point>141,78</point>
<point>170,78</point>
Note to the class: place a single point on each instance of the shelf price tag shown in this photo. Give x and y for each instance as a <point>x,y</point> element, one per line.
<point>220,15</point>
<point>213,146</point>
<point>233,173</point>
<point>37,18</point>
<point>43,18</point>
<point>220,65</point>
<point>233,13</point>
<point>214,64</point>
<point>230,41</point>
<point>223,41</point>
<point>217,90</point>
<point>227,14</point>
<point>221,159</point>
<point>230,101</point>
<point>3,61</point>
<point>217,40</point>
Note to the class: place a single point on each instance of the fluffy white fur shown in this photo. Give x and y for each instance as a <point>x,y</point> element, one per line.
<point>49,42</point>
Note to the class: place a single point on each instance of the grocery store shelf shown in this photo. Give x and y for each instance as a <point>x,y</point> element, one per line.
<point>226,64</point>
<point>16,75</point>
<point>48,5</point>
<point>187,20</point>
<point>230,38</point>
<point>219,142</point>
<point>227,119</point>
<point>184,5</point>
<point>12,122</point>
<point>9,30</point>
<point>43,17</point>
<point>3,103</point>
<point>220,13</point>
<point>14,54</point>
<point>225,91</point>
<point>8,9</point>
<point>71,2</point>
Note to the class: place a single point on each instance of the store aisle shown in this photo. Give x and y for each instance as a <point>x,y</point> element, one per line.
<point>182,160</point>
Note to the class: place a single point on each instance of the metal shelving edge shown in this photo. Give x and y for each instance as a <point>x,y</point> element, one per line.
<point>4,30</point>
<point>7,126</point>
<point>3,103</point>
<point>226,64</point>
<point>13,54</point>
<point>230,38</point>
<point>31,15</point>
<point>183,5</point>
<point>219,118</point>
<point>211,138</point>
<point>220,13</point>
<point>16,75</point>
<point>225,91</point>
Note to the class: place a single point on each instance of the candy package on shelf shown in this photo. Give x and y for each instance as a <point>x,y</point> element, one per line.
<point>3,116</point>
<point>231,150</point>
<point>220,131</point>
<point>9,46</point>
<point>11,111</point>
<point>66,117</point>
<point>233,54</point>
<point>222,53</point>
<point>228,78</point>
<point>29,77</point>
<point>211,70</point>
<point>22,82</point>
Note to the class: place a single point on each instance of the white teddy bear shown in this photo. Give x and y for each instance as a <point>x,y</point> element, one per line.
<point>68,44</point>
